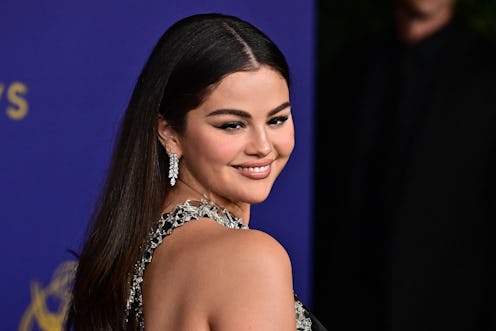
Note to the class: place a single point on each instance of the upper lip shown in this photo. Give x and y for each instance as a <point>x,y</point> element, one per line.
<point>258,163</point>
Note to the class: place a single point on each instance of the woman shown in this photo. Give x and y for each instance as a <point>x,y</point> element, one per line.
<point>207,131</point>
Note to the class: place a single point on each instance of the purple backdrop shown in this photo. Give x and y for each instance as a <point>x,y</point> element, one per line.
<point>66,73</point>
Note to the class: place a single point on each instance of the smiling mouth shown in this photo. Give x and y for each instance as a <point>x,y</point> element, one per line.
<point>254,169</point>
<point>255,172</point>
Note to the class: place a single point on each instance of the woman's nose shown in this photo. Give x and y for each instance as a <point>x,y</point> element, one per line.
<point>259,143</point>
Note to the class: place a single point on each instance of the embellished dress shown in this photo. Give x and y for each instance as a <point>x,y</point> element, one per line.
<point>194,210</point>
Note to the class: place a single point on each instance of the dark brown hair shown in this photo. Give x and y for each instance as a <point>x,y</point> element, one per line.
<point>192,55</point>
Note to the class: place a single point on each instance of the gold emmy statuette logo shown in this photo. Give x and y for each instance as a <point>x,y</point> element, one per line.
<point>58,291</point>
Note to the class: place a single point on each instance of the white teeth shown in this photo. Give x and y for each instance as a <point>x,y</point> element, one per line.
<point>255,169</point>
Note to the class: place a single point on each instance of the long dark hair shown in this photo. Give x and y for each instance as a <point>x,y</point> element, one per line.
<point>191,56</point>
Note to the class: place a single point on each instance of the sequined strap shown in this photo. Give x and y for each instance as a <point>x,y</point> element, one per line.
<point>303,320</point>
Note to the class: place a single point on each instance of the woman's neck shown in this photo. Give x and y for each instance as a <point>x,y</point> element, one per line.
<point>183,191</point>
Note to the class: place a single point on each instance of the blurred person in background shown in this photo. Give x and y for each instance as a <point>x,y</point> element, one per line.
<point>406,180</point>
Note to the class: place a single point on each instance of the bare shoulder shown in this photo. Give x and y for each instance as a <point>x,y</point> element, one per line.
<point>209,277</point>
<point>219,248</point>
<point>252,283</point>
<point>246,254</point>
<point>262,252</point>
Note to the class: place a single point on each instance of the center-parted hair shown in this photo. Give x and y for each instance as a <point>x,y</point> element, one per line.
<point>190,58</point>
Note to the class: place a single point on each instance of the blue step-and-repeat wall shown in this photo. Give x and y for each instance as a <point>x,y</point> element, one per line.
<point>67,69</point>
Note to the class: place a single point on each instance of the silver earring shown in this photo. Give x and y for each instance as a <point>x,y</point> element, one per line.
<point>173,168</point>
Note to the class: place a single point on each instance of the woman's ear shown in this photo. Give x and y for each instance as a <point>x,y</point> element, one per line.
<point>167,136</point>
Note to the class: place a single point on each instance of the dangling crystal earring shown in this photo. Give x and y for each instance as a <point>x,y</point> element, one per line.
<point>173,168</point>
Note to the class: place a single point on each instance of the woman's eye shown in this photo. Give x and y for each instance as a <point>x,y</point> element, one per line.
<point>278,120</point>
<point>231,126</point>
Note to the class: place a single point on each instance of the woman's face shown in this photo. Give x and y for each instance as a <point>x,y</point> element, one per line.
<point>239,139</point>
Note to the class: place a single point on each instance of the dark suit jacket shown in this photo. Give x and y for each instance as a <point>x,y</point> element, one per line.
<point>405,186</point>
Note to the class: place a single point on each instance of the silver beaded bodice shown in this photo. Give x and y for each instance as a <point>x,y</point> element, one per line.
<point>190,210</point>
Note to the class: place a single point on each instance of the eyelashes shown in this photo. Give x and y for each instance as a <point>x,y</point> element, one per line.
<point>237,125</point>
<point>279,120</point>
<point>231,126</point>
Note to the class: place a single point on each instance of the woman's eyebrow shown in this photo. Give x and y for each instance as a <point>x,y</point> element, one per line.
<point>279,108</point>
<point>242,113</point>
